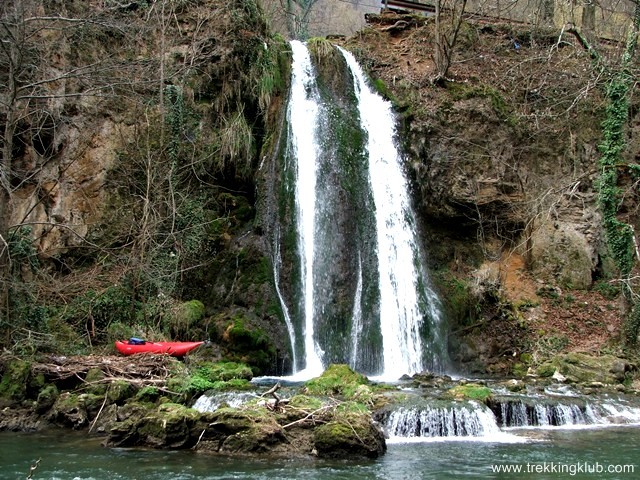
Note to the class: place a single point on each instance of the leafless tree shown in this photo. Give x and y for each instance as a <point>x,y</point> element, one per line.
<point>36,82</point>
<point>449,18</point>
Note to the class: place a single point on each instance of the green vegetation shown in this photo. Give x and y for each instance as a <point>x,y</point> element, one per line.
<point>336,380</point>
<point>321,48</point>
<point>215,376</point>
<point>619,234</point>
<point>471,391</point>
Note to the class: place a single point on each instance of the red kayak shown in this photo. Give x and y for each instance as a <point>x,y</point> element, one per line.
<point>175,349</point>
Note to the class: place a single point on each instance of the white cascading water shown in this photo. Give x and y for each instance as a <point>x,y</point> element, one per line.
<point>285,310</point>
<point>356,316</point>
<point>304,113</point>
<point>473,420</point>
<point>398,254</point>
<point>405,299</point>
<point>476,421</point>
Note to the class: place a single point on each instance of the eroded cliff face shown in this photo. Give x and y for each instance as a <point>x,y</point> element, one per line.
<point>133,173</point>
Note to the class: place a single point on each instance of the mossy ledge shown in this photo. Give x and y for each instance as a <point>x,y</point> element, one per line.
<point>147,403</point>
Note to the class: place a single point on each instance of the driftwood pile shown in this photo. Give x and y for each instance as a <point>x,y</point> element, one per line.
<point>139,369</point>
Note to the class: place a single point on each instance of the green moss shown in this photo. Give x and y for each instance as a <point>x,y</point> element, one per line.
<point>305,402</point>
<point>47,398</point>
<point>519,369</point>
<point>216,376</point>
<point>546,370</point>
<point>93,379</point>
<point>463,91</point>
<point>15,380</point>
<point>471,391</point>
<point>119,391</point>
<point>337,379</point>
<point>184,318</point>
<point>248,345</point>
<point>147,394</point>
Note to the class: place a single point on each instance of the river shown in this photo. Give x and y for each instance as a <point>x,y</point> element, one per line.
<point>543,454</point>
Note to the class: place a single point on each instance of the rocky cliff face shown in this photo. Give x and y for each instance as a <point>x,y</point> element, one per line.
<point>503,155</point>
<point>136,138</point>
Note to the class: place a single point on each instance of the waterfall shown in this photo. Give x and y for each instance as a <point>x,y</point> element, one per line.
<point>355,291</point>
<point>434,419</point>
<point>356,317</point>
<point>515,413</point>
<point>472,420</point>
<point>303,117</point>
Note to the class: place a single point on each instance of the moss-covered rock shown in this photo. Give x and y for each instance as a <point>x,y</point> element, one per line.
<point>348,436</point>
<point>47,398</point>
<point>119,391</point>
<point>471,391</point>
<point>169,426</point>
<point>13,387</point>
<point>337,379</point>
<point>584,368</point>
<point>69,411</point>
<point>95,381</point>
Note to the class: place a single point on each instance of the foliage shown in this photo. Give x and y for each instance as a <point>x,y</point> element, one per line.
<point>22,250</point>
<point>320,48</point>
<point>217,376</point>
<point>471,391</point>
<point>620,235</point>
<point>182,320</point>
<point>176,119</point>
<point>15,380</point>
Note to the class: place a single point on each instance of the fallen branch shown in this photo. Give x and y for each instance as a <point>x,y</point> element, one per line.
<point>33,468</point>
<point>93,424</point>
<point>309,416</point>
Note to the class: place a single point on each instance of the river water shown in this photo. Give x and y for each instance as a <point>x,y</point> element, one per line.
<point>539,453</point>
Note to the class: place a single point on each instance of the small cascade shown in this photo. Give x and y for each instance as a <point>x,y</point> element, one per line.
<point>211,401</point>
<point>426,420</point>
<point>467,420</point>
<point>535,412</point>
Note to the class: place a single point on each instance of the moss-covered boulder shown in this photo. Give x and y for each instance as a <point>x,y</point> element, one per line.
<point>169,426</point>
<point>337,380</point>
<point>244,340</point>
<point>15,381</point>
<point>349,435</point>
<point>94,380</point>
<point>239,431</point>
<point>119,391</point>
<point>47,398</point>
<point>470,391</point>
<point>562,255</point>
<point>69,411</point>
<point>583,368</point>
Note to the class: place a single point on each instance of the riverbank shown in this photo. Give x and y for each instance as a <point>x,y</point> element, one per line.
<point>148,401</point>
